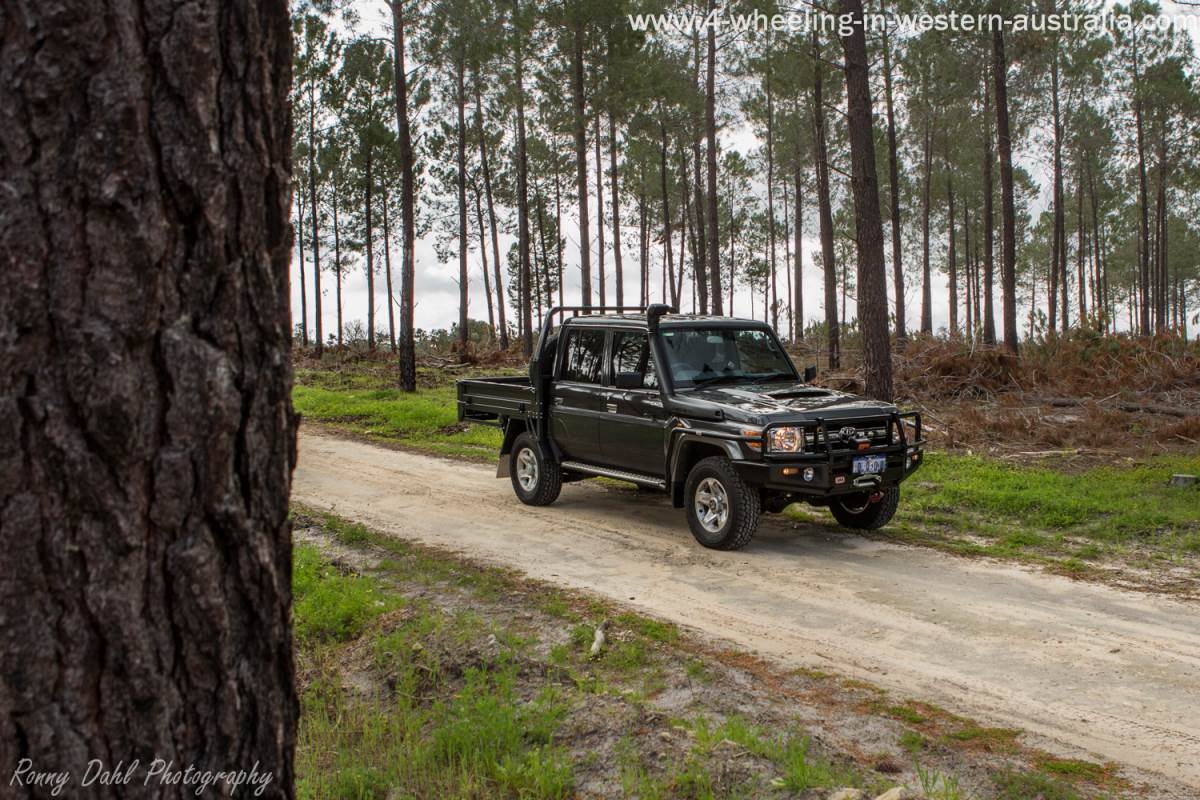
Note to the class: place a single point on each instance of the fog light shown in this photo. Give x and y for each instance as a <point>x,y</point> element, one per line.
<point>808,473</point>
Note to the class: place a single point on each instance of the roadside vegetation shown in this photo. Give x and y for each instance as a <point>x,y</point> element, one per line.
<point>422,675</point>
<point>1012,495</point>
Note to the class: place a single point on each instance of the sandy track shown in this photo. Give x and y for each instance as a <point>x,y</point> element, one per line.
<point>1092,668</point>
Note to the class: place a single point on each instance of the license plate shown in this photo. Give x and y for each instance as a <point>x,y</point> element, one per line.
<point>869,465</point>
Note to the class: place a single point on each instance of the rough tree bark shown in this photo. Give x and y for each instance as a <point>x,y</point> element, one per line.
<point>868,226</point>
<point>485,167</point>
<point>145,586</point>
<point>523,190</point>
<point>615,184</point>
<point>314,208</point>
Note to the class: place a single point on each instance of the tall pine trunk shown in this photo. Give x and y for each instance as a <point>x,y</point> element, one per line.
<point>872,273</point>
<point>387,273</point>
<point>146,392</point>
<point>406,344</point>
<point>926,276</point>
<point>798,253</point>
<point>1058,253</point>
<point>824,209</point>
<point>337,266</point>
<point>523,190</point>
<point>1008,273</point>
<point>615,183</point>
<point>303,285</point>
<point>600,258</point>
<point>460,101</point>
<point>485,168</point>
<point>314,208</point>
<point>579,108</point>
<point>989,222</point>
<point>711,205</point>
<point>368,208</point>
<point>952,262</point>
<point>487,281</point>
<point>894,192</point>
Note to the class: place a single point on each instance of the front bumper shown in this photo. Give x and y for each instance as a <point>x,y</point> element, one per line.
<point>828,470</point>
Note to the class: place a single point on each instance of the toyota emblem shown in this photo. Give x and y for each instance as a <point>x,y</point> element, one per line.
<point>847,433</point>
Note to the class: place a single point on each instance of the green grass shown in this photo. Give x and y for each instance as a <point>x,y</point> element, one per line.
<point>979,506</point>
<point>426,420</point>
<point>329,605</point>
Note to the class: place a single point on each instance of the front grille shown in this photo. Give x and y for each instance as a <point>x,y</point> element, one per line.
<point>877,430</point>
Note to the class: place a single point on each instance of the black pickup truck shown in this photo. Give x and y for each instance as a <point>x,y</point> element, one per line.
<point>710,409</point>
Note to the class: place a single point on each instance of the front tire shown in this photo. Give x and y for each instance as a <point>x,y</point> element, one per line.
<point>536,477</point>
<point>721,510</point>
<point>858,512</point>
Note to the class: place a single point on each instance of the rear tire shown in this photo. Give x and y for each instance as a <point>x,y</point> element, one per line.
<point>536,476</point>
<point>721,510</point>
<point>857,512</point>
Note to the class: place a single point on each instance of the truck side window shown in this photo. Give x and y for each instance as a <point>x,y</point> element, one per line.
<point>631,354</point>
<point>584,356</point>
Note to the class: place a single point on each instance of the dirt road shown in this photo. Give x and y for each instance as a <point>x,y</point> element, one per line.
<point>1091,668</point>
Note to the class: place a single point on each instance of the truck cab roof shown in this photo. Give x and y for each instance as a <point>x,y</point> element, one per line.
<point>667,321</point>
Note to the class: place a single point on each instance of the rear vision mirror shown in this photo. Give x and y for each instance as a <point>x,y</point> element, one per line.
<point>810,373</point>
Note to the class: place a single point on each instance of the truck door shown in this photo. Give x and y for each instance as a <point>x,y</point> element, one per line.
<point>633,429</point>
<point>578,398</point>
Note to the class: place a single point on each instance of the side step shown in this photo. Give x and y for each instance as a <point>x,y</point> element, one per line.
<point>616,474</point>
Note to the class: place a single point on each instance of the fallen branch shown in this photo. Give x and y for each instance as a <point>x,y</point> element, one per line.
<point>1132,408</point>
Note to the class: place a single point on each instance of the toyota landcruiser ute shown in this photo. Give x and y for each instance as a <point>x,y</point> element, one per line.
<point>709,409</point>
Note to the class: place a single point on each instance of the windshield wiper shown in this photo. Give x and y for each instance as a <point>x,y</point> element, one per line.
<point>774,376</point>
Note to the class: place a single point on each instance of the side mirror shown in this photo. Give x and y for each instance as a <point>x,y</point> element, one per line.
<point>810,373</point>
<point>628,380</point>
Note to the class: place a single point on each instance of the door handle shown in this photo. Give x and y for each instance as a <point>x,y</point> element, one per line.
<point>611,407</point>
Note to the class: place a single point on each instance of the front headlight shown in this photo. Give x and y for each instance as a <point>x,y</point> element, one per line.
<point>785,439</point>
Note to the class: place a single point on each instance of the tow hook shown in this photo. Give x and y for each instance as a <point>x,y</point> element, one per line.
<point>875,497</point>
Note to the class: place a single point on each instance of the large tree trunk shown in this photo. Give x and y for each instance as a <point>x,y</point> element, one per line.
<point>1008,272</point>
<point>824,209</point>
<point>872,273</point>
<point>460,100</point>
<point>894,186</point>
<point>145,399</point>
<point>314,208</point>
<point>408,354</point>
<point>615,182</point>
<point>579,107</point>
<point>711,206</point>
<point>485,167</point>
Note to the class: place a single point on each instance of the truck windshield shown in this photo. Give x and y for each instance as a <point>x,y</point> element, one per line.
<point>698,356</point>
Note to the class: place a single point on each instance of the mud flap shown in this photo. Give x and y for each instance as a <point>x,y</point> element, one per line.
<point>502,468</point>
